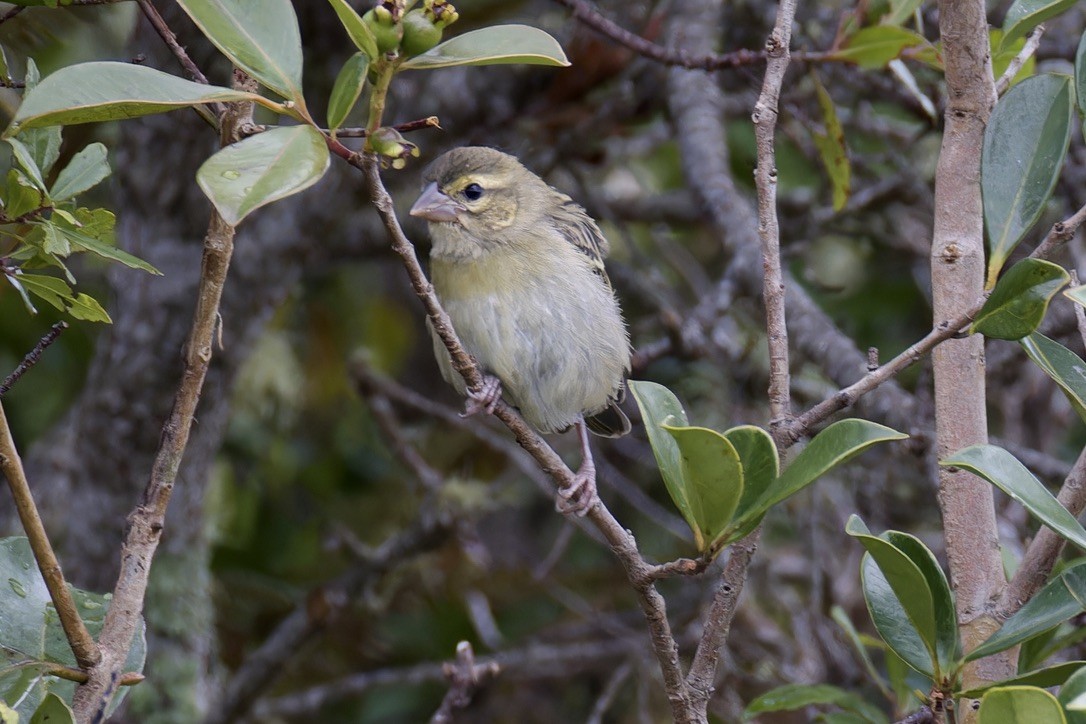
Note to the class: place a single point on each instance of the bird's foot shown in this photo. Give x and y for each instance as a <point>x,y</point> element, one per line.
<point>485,399</point>
<point>580,496</point>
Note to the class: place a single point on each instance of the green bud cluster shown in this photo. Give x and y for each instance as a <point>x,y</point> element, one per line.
<point>393,147</point>
<point>412,32</point>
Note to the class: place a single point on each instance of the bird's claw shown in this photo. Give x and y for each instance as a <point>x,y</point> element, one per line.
<point>485,399</point>
<point>580,496</point>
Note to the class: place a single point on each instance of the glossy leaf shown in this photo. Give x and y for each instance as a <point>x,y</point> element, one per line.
<point>1073,697</point>
<point>838,443</point>
<point>32,634</point>
<point>1024,147</point>
<point>659,406</point>
<point>347,89</point>
<point>1061,364</point>
<point>359,33</point>
<point>947,644</point>
<point>1048,608</point>
<point>712,478</point>
<point>908,585</point>
<point>21,154</point>
<point>108,91</point>
<point>89,237</point>
<point>1020,299</point>
<point>1049,676</point>
<point>263,168</point>
<point>891,619</point>
<point>831,148</point>
<point>1024,15</point>
<point>260,36</point>
<point>1003,470</point>
<point>761,464</point>
<point>86,170</point>
<point>1019,705</point>
<point>57,293</point>
<point>859,648</point>
<point>791,697</point>
<point>1076,294</point>
<point>874,47</point>
<point>497,44</point>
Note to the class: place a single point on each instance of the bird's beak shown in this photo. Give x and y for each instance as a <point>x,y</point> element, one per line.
<point>435,206</point>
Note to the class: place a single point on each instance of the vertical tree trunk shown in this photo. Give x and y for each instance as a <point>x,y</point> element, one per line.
<point>957,270</point>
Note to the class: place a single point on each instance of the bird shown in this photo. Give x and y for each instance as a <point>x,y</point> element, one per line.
<point>518,267</point>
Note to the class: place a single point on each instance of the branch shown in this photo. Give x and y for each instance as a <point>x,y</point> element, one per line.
<point>621,540</point>
<point>464,676</point>
<point>765,178</point>
<point>146,522</point>
<point>1027,51</point>
<point>83,646</point>
<point>590,16</point>
<point>32,357</point>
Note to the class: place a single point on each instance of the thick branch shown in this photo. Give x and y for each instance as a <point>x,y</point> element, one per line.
<point>83,646</point>
<point>146,522</point>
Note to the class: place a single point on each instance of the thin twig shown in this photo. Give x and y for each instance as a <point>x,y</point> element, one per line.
<point>1032,41</point>
<point>214,111</point>
<point>83,646</point>
<point>610,691</point>
<point>464,676</point>
<point>590,16</point>
<point>146,522</point>
<point>765,179</point>
<point>407,127</point>
<point>407,454</point>
<point>32,357</point>
<point>1060,233</point>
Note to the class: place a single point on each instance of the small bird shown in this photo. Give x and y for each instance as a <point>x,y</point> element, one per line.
<point>518,266</point>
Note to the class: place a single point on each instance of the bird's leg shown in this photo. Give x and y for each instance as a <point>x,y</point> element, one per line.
<point>580,496</point>
<point>485,399</point>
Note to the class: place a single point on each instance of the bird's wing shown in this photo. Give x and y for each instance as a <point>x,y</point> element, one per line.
<point>579,229</point>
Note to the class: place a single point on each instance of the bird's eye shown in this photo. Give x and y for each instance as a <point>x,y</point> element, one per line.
<point>473,192</point>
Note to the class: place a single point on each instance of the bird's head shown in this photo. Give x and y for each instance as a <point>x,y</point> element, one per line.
<point>481,190</point>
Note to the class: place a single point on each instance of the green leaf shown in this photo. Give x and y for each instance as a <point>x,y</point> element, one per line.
<point>43,145</point>
<point>1065,368</point>
<point>659,406</point>
<point>874,47</point>
<point>832,149</point>
<point>33,638</point>
<point>761,464</point>
<point>360,34</point>
<point>86,170</point>
<point>838,443</point>
<point>1020,705</point>
<point>53,710</point>
<point>348,87</point>
<point>1003,470</point>
<point>263,168</point>
<point>791,697</point>
<point>87,308</point>
<point>841,619</point>
<point>1049,676</point>
<point>260,36</point>
<point>27,163</point>
<point>108,91</point>
<point>1020,299</point>
<point>909,586</point>
<point>20,197</point>
<point>1073,697</point>
<point>88,243</point>
<point>712,478</point>
<point>901,11</point>
<point>947,643</point>
<point>1024,147</point>
<point>497,44</point>
<point>1024,15</point>
<point>892,620</point>
<point>1076,294</point>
